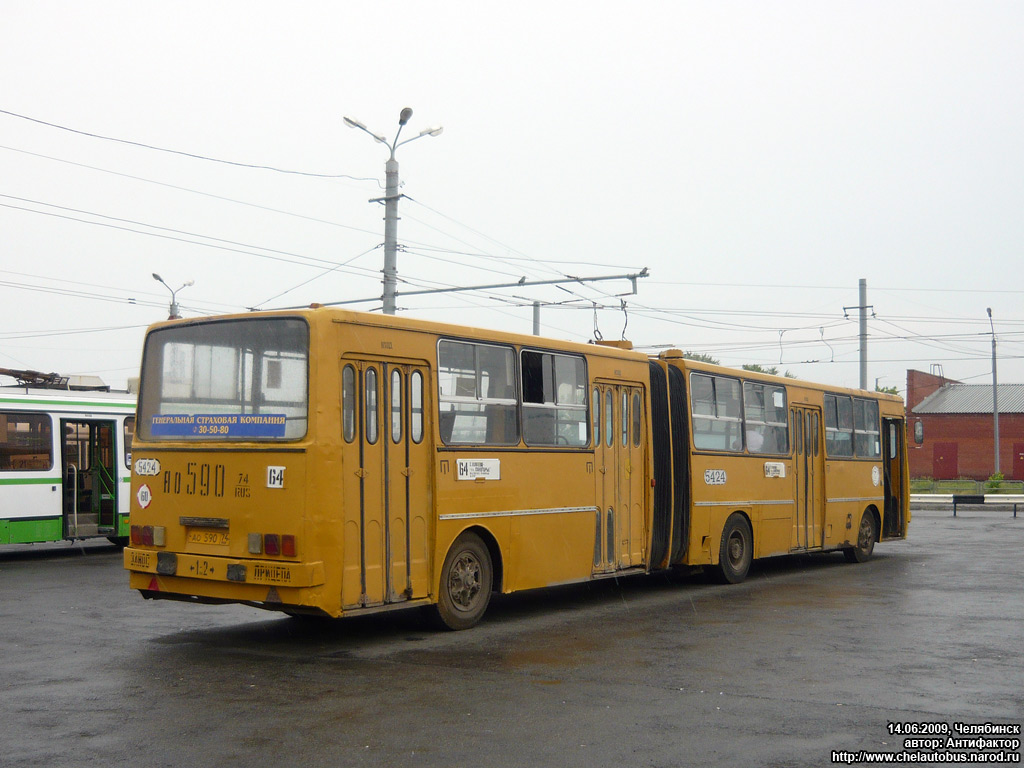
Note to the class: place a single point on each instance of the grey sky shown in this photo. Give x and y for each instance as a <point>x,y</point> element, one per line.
<point>759,158</point>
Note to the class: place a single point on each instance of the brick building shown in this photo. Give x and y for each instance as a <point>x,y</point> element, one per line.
<point>950,428</point>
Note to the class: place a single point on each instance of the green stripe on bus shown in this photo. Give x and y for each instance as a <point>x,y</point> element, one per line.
<point>30,481</point>
<point>88,404</point>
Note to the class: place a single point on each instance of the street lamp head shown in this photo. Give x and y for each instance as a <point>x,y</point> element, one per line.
<point>158,278</point>
<point>989,310</point>
<point>433,131</point>
<point>404,117</point>
<point>190,282</point>
<point>353,123</point>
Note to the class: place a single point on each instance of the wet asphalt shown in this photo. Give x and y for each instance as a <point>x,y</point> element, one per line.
<point>808,656</point>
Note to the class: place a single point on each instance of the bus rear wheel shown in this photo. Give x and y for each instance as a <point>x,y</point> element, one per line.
<point>466,581</point>
<point>736,551</point>
<point>867,534</point>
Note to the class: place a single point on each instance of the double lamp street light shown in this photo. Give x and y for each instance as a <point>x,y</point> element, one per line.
<point>391,197</point>
<point>174,310</point>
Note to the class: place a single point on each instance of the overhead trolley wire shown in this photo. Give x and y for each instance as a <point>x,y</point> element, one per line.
<point>192,155</point>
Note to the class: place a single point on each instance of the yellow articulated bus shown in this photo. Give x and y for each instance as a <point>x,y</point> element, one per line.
<point>330,462</point>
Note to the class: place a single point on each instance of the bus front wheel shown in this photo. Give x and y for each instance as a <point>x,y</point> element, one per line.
<point>466,581</point>
<point>867,534</point>
<point>736,551</point>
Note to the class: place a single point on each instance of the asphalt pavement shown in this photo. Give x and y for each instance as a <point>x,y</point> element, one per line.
<point>809,660</point>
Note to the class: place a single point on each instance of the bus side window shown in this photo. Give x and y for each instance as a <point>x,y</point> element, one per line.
<point>25,441</point>
<point>595,415</point>
<point>129,435</point>
<point>625,418</point>
<point>370,405</point>
<point>716,413</point>
<point>477,400</point>
<point>396,406</point>
<point>416,398</point>
<point>609,407</point>
<point>348,403</point>
<point>838,426</point>
<point>554,397</point>
<point>636,419</point>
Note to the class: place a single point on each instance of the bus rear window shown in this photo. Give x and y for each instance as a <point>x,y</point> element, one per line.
<point>226,380</point>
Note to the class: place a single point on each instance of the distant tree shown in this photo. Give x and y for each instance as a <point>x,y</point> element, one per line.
<point>889,390</point>
<point>771,371</point>
<point>701,357</point>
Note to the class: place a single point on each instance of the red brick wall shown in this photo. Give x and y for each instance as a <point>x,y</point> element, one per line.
<point>921,384</point>
<point>973,435</point>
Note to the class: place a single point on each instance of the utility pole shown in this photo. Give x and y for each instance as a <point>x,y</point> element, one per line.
<point>863,308</point>
<point>863,333</point>
<point>995,396</point>
<point>391,197</point>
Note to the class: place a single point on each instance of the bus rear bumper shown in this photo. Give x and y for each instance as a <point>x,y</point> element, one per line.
<point>271,573</point>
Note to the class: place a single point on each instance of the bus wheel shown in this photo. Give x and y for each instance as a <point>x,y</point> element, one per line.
<point>866,537</point>
<point>736,551</point>
<point>466,581</point>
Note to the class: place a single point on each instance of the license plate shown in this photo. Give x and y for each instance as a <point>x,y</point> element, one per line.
<point>138,560</point>
<point>208,537</point>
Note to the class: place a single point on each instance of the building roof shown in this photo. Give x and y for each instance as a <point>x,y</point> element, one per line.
<point>972,398</point>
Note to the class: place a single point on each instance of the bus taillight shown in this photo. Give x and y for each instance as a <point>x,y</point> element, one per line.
<point>149,535</point>
<point>272,544</point>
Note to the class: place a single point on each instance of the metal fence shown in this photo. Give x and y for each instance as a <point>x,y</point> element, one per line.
<point>965,485</point>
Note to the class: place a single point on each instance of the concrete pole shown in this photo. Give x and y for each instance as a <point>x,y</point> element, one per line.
<point>995,397</point>
<point>536,318</point>
<point>863,334</point>
<point>391,197</point>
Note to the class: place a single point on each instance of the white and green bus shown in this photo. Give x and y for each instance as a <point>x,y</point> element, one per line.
<point>65,464</point>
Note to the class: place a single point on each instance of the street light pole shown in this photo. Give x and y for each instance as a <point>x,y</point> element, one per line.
<point>174,310</point>
<point>391,197</point>
<point>995,395</point>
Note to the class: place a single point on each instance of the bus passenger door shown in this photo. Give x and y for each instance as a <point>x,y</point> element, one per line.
<point>90,475</point>
<point>363,484</point>
<point>894,434</point>
<point>386,493</point>
<point>407,499</point>
<point>809,474</point>
<point>619,480</point>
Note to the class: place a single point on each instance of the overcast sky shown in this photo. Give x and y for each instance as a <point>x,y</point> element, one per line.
<point>758,158</point>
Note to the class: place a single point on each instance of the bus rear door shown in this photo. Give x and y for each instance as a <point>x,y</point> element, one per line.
<point>619,459</point>
<point>809,473</point>
<point>386,492</point>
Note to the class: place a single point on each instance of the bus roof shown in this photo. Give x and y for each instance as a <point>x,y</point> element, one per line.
<point>64,399</point>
